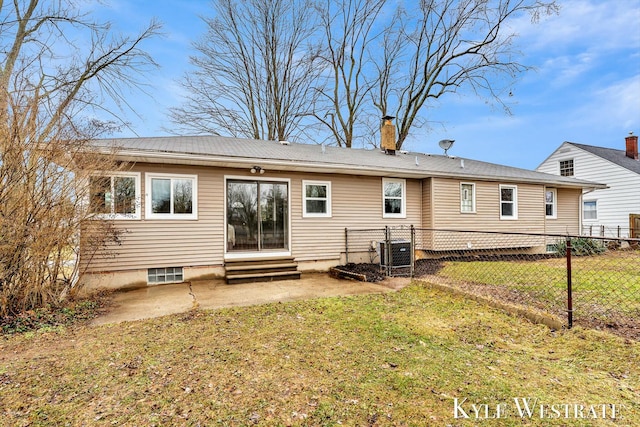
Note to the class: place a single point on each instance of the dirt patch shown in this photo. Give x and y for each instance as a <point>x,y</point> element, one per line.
<point>75,311</point>
<point>364,272</point>
<point>376,273</point>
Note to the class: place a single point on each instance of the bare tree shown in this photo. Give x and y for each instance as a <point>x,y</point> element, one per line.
<point>349,28</point>
<point>253,73</point>
<point>50,82</point>
<point>446,46</point>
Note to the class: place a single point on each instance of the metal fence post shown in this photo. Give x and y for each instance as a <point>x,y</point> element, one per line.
<point>346,245</point>
<point>569,290</point>
<point>413,249</point>
<point>387,250</point>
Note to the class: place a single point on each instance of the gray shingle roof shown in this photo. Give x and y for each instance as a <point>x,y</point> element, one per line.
<point>618,157</point>
<point>217,150</point>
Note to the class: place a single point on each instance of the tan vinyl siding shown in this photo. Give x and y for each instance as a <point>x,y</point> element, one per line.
<point>447,215</point>
<point>172,243</point>
<point>356,203</point>
<point>427,205</point>
<point>568,213</point>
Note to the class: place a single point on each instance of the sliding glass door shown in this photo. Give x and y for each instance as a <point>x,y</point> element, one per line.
<point>257,216</point>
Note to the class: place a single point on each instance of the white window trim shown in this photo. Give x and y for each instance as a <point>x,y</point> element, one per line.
<point>403,213</point>
<point>172,216</point>
<point>240,255</point>
<point>515,202</point>
<point>590,201</point>
<point>117,216</point>
<point>554,214</point>
<point>573,166</point>
<point>306,214</point>
<point>473,198</point>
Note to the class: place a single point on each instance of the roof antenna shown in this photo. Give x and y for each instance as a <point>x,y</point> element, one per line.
<point>445,144</point>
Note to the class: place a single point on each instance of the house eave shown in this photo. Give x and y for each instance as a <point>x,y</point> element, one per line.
<point>144,156</point>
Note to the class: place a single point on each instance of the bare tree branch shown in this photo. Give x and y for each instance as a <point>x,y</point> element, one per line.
<point>48,86</point>
<point>447,46</point>
<point>253,72</point>
<point>349,28</point>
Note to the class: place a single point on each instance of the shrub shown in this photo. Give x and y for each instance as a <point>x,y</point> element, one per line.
<point>581,246</point>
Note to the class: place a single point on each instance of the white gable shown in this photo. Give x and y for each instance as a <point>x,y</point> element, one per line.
<point>615,203</point>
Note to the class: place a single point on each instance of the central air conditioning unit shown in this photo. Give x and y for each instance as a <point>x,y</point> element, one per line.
<point>400,253</point>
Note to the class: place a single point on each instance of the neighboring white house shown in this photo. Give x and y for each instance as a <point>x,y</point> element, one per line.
<point>613,211</point>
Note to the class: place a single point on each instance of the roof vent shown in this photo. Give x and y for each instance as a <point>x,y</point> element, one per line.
<point>284,142</point>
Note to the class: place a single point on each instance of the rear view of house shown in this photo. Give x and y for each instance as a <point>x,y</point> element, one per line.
<point>610,212</point>
<point>210,206</point>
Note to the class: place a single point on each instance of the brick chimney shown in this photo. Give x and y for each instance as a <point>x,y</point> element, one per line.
<point>632,146</point>
<point>388,135</point>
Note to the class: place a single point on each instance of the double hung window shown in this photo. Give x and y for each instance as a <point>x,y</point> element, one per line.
<point>394,198</point>
<point>550,196</point>
<point>508,202</point>
<point>467,198</point>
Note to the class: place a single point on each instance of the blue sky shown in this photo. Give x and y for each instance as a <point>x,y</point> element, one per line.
<point>585,87</point>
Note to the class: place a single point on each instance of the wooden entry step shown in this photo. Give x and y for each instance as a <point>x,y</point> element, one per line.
<point>260,270</point>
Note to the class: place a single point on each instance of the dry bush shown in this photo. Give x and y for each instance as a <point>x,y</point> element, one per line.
<point>44,212</point>
<point>50,91</point>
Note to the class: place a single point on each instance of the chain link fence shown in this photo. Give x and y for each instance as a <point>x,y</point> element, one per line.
<point>591,281</point>
<point>618,232</point>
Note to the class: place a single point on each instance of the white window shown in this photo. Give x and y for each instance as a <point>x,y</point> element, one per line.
<point>566,167</point>
<point>508,202</point>
<point>316,199</point>
<point>589,209</point>
<point>115,195</point>
<point>393,198</point>
<point>467,197</point>
<point>165,275</point>
<point>171,196</point>
<point>550,202</point>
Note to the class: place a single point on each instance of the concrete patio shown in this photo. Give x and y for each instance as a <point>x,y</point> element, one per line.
<point>161,300</point>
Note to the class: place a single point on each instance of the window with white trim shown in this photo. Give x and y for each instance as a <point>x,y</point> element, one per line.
<point>316,199</point>
<point>566,167</point>
<point>393,198</point>
<point>467,197</point>
<point>550,203</point>
<point>589,209</point>
<point>115,195</point>
<point>165,275</point>
<point>508,202</point>
<point>171,196</point>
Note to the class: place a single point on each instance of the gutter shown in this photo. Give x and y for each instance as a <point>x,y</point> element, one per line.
<point>297,166</point>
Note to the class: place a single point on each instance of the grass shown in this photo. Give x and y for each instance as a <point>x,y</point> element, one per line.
<point>608,284</point>
<point>390,359</point>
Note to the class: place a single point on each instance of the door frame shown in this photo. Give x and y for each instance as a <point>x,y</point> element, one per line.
<point>634,232</point>
<point>256,254</point>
